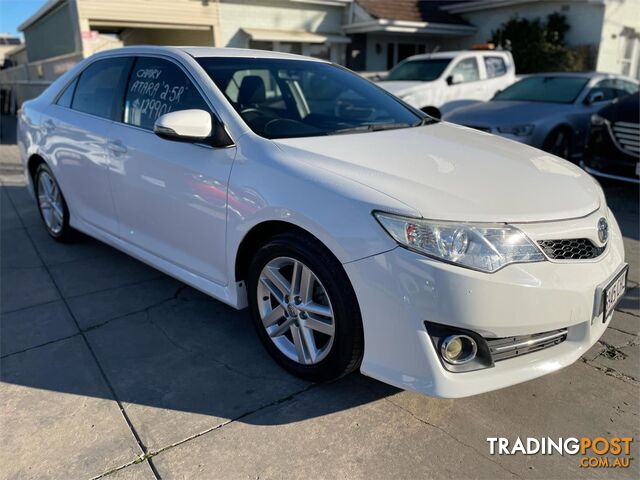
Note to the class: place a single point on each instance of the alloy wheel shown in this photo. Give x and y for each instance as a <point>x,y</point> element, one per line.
<point>295,310</point>
<point>561,145</point>
<point>50,203</point>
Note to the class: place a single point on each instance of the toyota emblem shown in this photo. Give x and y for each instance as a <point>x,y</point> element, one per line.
<point>603,230</point>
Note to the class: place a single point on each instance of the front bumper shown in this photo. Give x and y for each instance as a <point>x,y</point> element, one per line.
<point>399,290</point>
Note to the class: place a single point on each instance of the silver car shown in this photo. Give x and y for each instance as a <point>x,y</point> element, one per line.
<point>550,111</point>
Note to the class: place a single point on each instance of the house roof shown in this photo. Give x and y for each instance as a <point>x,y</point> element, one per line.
<point>411,10</point>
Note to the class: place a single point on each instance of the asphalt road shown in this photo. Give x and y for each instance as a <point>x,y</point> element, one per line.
<point>110,368</point>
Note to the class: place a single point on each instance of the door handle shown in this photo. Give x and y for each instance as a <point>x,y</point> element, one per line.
<point>116,147</point>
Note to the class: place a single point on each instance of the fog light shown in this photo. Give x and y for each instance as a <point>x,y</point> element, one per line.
<point>458,349</point>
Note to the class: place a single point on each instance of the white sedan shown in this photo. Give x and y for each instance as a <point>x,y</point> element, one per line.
<point>361,233</point>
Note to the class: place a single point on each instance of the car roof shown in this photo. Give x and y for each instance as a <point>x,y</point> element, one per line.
<point>198,52</point>
<point>580,75</point>
<point>454,54</point>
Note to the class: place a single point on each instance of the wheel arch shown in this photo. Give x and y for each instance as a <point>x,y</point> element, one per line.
<point>257,236</point>
<point>33,162</point>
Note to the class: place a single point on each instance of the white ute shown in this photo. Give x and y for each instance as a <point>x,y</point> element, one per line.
<point>436,83</point>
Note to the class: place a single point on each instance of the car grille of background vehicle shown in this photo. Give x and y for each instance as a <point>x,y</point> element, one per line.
<point>628,137</point>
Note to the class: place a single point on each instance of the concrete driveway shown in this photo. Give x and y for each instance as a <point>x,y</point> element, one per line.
<point>110,368</point>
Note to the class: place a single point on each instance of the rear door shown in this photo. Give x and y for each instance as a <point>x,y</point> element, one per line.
<point>77,140</point>
<point>497,74</point>
<point>171,197</point>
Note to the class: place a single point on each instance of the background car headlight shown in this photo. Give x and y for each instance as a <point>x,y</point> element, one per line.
<point>518,130</point>
<point>478,246</point>
<point>597,119</point>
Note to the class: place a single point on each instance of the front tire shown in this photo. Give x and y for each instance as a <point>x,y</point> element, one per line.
<point>52,205</point>
<point>558,143</point>
<point>304,308</point>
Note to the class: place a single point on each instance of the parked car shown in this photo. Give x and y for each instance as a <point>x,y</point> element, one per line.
<point>613,149</point>
<point>550,111</point>
<point>436,82</point>
<point>360,232</point>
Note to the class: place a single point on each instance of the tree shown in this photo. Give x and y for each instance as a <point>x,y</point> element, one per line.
<point>536,45</point>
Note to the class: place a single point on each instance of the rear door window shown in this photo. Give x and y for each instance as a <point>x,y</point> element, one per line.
<point>495,66</point>
<point>158,86</point>
<point>65,99</point>
<point>100,88</point>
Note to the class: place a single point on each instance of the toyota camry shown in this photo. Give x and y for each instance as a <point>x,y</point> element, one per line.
<point>361,233</point>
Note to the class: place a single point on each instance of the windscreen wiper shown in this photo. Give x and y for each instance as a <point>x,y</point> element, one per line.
<point>371,127</point>
<point>426,120</point>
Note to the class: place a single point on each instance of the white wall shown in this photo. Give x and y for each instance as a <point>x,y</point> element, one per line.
<point>618,14</point>
<point>584,18</point>
<point>274,15</point>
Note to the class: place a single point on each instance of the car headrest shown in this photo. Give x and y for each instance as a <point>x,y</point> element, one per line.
<point>252,90</point>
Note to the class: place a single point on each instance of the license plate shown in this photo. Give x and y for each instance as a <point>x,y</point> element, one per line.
<point>614,292</point>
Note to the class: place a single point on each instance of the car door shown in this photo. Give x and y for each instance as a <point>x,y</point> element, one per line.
<point>77,141</point>
<point>171,197</point>
<point>497,77</point>
<point>464,81</point>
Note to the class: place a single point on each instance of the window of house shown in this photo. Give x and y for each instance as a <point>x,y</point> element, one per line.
<point>495,66</point>
<point>100,88</point>
<point>406,50</point>
<point>629,51</point>
<point>156,87</point>
<point>468,68</point>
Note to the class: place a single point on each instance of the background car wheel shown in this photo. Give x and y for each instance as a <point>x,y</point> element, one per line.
<point>559,143</point>
<point>52,205</point>
<point>304,308</point>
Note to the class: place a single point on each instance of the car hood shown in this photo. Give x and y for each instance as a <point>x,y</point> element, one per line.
<point>499,112</point>
<point>448,172</point>
<point>400,88</point>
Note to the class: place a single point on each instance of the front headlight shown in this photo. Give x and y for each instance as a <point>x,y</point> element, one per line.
<point>517,130</point>
<point>477,246</point>
<point>597,119</point>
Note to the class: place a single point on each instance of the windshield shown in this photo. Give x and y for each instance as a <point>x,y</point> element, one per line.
<point>299,98</point>
<point>421,70</point>
<point>544,89</point>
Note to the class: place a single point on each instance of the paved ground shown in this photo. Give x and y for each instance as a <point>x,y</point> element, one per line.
<point>110,368</point>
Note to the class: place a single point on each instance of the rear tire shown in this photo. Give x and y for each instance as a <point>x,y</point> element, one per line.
<point>311,325</point>
<point>52,205</point>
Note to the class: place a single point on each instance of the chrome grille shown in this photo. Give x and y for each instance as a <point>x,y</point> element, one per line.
<point>571,249</point>
<point>627,136</point>
<point>509,347</point>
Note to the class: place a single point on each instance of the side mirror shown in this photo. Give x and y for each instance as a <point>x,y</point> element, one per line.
<point>593,97</point>
<point>184,126</point>
<point>455,79</point>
